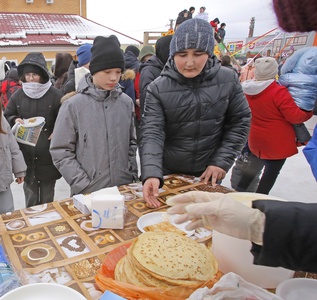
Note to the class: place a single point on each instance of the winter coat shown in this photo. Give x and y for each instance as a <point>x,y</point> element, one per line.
<point>69,85</point>
<point>289,238</point>
<point>38,158</point>
<point>95,142</point>
<point>189,124</point>
<point>11,157</point>
<point>299,75</point>
<point>272,135</point>
<point>127,83</point>
<point>246,73</point>
<point>7,88</point>
<point>149,71</point>
<point>310,152</point>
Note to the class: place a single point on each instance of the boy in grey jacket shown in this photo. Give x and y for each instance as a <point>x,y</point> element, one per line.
<point>94,142</point>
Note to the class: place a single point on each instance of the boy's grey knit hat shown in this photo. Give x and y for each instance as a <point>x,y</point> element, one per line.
<point>193,34</point>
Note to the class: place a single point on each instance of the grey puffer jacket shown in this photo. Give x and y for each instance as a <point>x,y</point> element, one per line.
<point>189,124</point>
<point>94,141</point>
<point>11,157</point>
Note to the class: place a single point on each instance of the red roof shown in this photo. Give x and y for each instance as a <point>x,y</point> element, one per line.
<point>21,29</point>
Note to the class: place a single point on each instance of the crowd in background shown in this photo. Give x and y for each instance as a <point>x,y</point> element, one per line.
<point>145,98</point>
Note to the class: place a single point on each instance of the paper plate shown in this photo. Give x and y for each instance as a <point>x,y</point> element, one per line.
<point>40,291</point>
<point>35,209</point>
<point>158,217</point>
<point>32,122</point>
<point>15,224</point>
<point>297,288</point>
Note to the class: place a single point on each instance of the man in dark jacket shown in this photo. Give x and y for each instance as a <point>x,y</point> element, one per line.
<point>152,68</point>
<point>196,118</point>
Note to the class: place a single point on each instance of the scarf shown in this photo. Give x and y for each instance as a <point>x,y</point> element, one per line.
<point>35,90</point>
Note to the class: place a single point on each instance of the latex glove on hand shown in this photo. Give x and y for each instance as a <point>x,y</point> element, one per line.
<point>219,212</point>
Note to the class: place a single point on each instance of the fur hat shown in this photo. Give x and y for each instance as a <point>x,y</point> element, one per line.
<point>265,68</point>
<point>162,48</point>
<point>106,54</point>
<point>146,50</point>
<point>193,34</point>
<point>135,50</point>
<point>294,15</point>
<point>84,54</point>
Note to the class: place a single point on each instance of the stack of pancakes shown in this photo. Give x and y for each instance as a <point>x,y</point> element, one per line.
<point>167,260</point>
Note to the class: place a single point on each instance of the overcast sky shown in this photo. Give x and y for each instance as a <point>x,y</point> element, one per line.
<point>135,17</point>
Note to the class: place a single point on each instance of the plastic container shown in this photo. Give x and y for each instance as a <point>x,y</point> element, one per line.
<point>297,288</point>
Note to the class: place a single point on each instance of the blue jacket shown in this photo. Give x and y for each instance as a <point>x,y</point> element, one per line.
<point>299,75</point>
<point>310,152</point>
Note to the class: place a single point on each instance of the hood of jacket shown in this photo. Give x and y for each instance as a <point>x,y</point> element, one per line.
<point>37,59</point>
<point>131,61</point>
<point>154,61</point>
<point>128,74</point>
<point>211,68</point>
<point>253,87</point>
<point>303,61</point>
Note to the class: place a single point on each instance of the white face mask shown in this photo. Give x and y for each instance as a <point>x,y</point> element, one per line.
<point>35,90</point>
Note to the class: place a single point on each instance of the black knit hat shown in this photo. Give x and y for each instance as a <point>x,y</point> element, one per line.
<point>106,54</point>
<point>134,49</point>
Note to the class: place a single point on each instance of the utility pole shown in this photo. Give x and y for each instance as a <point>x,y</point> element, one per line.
<point>171,23</point>
<point>251,28</point>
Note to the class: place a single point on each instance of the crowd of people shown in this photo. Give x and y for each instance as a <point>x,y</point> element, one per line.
<point>186,112</point>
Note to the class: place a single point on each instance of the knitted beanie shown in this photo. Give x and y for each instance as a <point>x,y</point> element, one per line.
<point>265,68</point>
<point>84,54</point>
<point>193,34</point>
<point>162,48</point>
<point>294,15</point>
<point>135,50</point>
<point>146,50</point>
<point>106,54</point>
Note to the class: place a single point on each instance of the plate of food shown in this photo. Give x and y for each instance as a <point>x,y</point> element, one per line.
<point>161,221</point>
<point>32,122</point>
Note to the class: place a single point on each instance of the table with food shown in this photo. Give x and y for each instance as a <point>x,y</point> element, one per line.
<point>149,257</point>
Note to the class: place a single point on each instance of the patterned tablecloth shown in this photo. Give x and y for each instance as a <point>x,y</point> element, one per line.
<point>70,249</point>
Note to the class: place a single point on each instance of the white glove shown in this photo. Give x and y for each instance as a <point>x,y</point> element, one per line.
<point>219,212</point>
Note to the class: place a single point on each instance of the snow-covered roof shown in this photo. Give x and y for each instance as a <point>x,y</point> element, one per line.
<point>40,29</point>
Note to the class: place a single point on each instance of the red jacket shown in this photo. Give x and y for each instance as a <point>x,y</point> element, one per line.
<point>272,135</point>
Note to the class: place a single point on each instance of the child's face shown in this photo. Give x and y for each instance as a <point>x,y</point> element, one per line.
<point>190,62</point>
<point>107,79</point>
